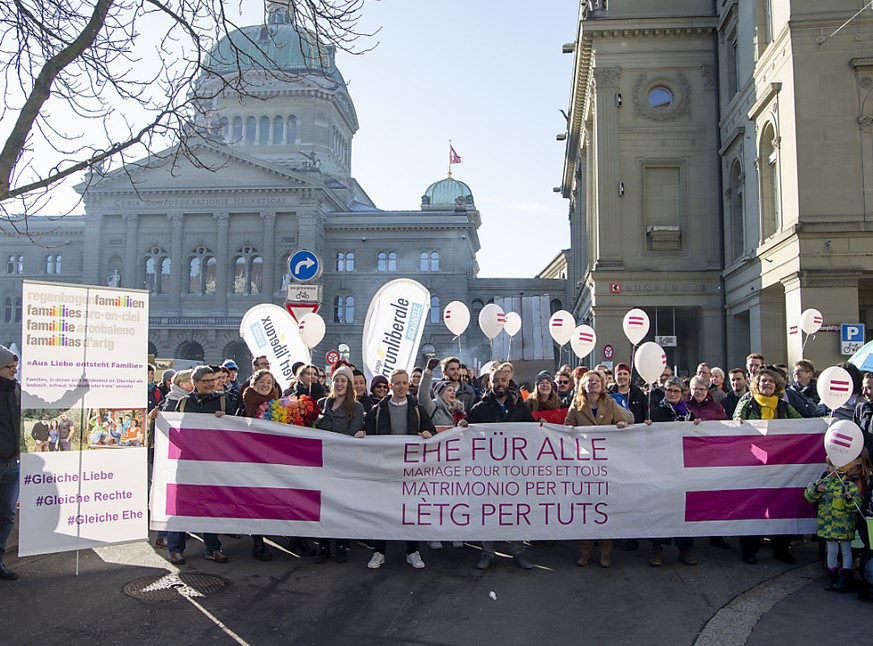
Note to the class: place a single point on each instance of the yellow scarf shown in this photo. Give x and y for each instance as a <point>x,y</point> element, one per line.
<point>768,406</point>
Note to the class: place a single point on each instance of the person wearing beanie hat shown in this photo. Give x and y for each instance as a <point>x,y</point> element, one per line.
<point>415,380</point>
<point>166,382</point>
<point>379,387</point>
<point>544,396</point>
<point>10,432</point>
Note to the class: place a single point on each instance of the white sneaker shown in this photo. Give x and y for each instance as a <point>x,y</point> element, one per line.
<point>377,560</point>
<point>435,545</point>
<point>457,543</point>
<point>414,560</point>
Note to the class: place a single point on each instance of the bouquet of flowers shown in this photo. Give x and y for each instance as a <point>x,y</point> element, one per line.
<point>298,411</point>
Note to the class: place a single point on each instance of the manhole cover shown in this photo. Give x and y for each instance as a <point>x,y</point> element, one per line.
<point>169,587</point>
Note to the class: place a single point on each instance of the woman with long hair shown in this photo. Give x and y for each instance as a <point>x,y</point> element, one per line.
<point>340,413</point>
<point>544,396</point>
<point>593,406</point>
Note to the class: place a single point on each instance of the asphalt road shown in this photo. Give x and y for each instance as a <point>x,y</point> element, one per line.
<point>292,600</point>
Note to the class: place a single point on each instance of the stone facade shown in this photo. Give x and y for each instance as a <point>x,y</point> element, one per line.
<point>715,168</point>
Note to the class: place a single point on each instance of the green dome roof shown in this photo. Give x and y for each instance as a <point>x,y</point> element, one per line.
<point>446,193</point>
<point>279,46</point>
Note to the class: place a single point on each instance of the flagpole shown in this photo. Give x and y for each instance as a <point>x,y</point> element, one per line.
<point>450,157</point>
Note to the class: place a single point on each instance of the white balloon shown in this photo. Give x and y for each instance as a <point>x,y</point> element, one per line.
<point>491,320</point>
<point>843,442</point>
<point>811,321</point>
<point>834,387</point>
<point>311,329</point>
<point>636,325</point>
<point>561,326</point>
<point>513,323</point>
<point>456,316</point>
<point>650,361</point>
<point>583,341</point>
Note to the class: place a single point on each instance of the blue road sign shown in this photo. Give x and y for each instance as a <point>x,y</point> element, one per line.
<point>304,266</point>
<point>852,333</point>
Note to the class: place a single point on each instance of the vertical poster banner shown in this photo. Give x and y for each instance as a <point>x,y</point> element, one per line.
<point>83,391</point>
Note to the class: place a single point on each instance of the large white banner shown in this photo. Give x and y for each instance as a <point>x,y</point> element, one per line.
<point>494,481</point>
<point>271,331</point>
<point>84,374</point>
<point>393,327</point>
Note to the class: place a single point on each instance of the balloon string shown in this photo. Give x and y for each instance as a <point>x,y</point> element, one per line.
<point>509,352</point>
<point>460,352</point>
<point>633,351</point>
<point>844,482</point>
<point>803,347</point>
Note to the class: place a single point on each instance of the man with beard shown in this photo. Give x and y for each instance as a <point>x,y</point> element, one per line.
<point>499,405</point>
<point>451,367</point>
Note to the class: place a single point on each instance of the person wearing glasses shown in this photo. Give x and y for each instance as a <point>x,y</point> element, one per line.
<point>378,390</point>
<point>564,388</point>
<point>203,399</point>
<point>702,404</point>
<point>672,409</point>
<point>804,380</point>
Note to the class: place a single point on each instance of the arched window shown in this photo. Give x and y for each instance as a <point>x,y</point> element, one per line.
<point>58,264</point>
<point>737,213</point>
<point>201,271</point>
<point>49,264</point>
<point>248,271</point>
<point>236,135</point>
<point>429,261</point>
<point>192,351</point>
<point>157,271</point>
<point>292,129</point>
<point>345,261</point>
<point>768,170</point>
<point>264,131</point>
<point>555,305</point>
<point>344,309</point>
<point>153,349</point>
<point>251,130</point>
<point>434,261</point>
<point>386,261</point>
<point>278,130</point>
<point>223,128</point>
<point>435,312</point>
<point>424,261</point>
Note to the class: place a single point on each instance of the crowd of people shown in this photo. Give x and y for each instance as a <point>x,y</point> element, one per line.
<point>423,402</point>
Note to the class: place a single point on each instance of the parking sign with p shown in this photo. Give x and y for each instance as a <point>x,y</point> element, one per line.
<point>852,337</point>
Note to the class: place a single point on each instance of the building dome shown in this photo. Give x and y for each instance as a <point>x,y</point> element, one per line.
<point>280,45</point>
<point>447,192</point>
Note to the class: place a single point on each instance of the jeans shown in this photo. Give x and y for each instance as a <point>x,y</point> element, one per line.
<point>176,542</point>
<point>380,546</point>
<point>9,484</point>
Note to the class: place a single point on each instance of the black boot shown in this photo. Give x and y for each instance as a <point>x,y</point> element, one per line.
<point>843,580</point>
<point>342,553</point>
<point>833,575</point>
<point>323,552</point>
<point>260,550</point>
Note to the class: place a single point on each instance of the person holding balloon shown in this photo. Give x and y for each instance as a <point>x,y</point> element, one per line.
<point>837,500</point>
<point>592,406</point>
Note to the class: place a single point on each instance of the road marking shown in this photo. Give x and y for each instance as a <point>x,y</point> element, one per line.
<point>734,623</point>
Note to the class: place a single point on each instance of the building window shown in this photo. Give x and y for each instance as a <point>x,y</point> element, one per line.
<point>201,271</point>
<point>15,264</point>
<point>768,169</point>
<point>248,271</point>
<point>736,211</point>
<point>12,309</point>
<point>345,261</point>
<point>429,261</point>
<point>251,130</point>
<point>278,130</point>
<point>386,261</point>
<point>344,309</point>
<point>157,271</point>
<point>733,68</point>
<point>660,98</point>
<point>236,134</point>
<point>53,264</point>
<point>768,21</point>
<point>435,312</point>
<point>292,129</point>
<point>264,131</point>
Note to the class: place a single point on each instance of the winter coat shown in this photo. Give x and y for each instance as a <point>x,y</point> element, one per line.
<point>707,410</point>
<point>864,417</point>
<point>609,412</point>
<point>10,419</point>
<point>488,410</point>
<point>836,513</point>
<point>664,412</point>
<point>810,391</point>
<point>378,420</point>
<point>748,408</point>
<point>338,420</point>
<point>636,402</point>
<point>435,406</point>
<point>197,403</point>
<point>730,401</point>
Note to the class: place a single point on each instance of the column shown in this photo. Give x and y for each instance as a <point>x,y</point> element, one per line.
<point>268,254</point>
<point>221,267</point>
<point>92,250</point>
<point>178,270</point>
<point>793,308</point>
<point>128,279</point>
<point>609,248</point>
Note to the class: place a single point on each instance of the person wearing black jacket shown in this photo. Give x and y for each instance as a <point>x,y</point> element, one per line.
<point>500,405</point>
<point>630,397</point>
<point>10,449</point>
<point>306,383</point>
<point>398,414</point>
<point>203,399</point>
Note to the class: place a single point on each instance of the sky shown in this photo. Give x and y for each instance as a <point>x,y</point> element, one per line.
<point>488,76</point>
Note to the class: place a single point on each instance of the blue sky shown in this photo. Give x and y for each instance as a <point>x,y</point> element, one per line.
<point>489,76</point>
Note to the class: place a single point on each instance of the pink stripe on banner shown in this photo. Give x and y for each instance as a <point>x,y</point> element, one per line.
<point>257,503</point>
<point>211,445</point>
<point>747,504</point>
<point>750,451</point>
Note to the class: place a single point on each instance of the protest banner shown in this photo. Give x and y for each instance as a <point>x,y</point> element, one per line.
<point>271,331</point>
<point>495,481</point>
<point>393,327</point>
<point>84,373</point>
